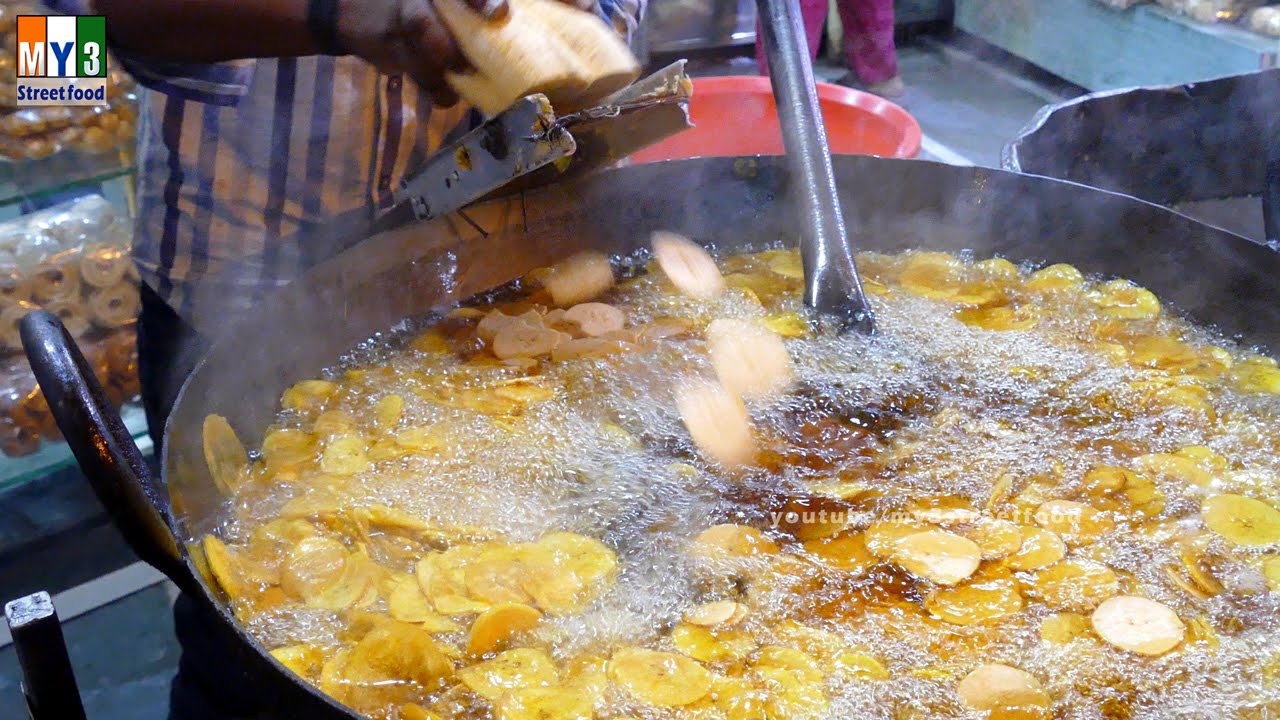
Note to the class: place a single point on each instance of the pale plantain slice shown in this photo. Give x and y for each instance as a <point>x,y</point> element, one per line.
<point>659,678</point>
<point>859,665</point>
<point>717,613</point>
<point>996,538</point>
<point>580,278</point>
<point>717,421</point>
<point>749,359</point>
<point>345,454</point>
<point>1138,625</point>
<point>224,454</point>
<point>1039,548</point>
<point>506,671</point>
<point>880,537</point>
<point>519,340</point>
<point>1074,585</point>
<point>496,578</point>
<point>734,539</point>
<point>497,624</point>
<point>313,566</point>
<point>1064,627</point>
<point>940,556</point>
<point>998,688</point>
<point>689,267</point>
<point>594,319</point>
<point>1076,523</point>
<point>1242,520</point>
<point>442,580</point>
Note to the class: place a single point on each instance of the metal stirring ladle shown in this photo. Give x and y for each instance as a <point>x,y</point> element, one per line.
<point>832,287</point>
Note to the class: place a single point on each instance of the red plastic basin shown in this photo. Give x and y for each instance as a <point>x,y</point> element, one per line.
<point>737,116</point>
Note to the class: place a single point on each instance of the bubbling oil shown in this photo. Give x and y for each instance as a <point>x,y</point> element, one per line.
<point>401,505</point>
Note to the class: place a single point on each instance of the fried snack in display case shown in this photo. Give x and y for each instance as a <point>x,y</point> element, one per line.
<point>1034,494</point>
<point>73,260</point>
<point>25,419</point>
<point>34,133</point>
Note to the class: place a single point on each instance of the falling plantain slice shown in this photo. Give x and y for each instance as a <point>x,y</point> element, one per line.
<point>749,359</point>
<point>1138,625</point>
<point>659,678</point>
<point>717,421</point>
<point>224,454</point>
<point>580,278</point>
<point>1242,520</point>
<point>687,265</point>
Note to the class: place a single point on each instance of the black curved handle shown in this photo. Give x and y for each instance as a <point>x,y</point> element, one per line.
<point>111,461</point>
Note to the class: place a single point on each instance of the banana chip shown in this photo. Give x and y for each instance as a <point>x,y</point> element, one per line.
<point>228,569</point>
<point>1122,299</point>
<point>497,624</point>
<point>720,612</point>
<point>1138,625</point>
<point>1062,628</point>
<point>510,670</point>
<point>843,552</point>
<point>406,603</point>
<point>224,454</point>
<point>736,540</point>
<point>881,537</point>
<point>1074,585</point>
<point>286,449</point>
<point>1076,523</point>
<point>578,279</point>
<point>345,455</point>
<point>707,645</point>
<point>393,663</point>
<point>998,688</point>
<point>308,395</point>
<point>1242,520</point>
<point>303,660</point>
<point>546,703</point>
<point>995,538</point>
<point>859,666</point>
<point>1039,548</point>
<point>974,603</point>
<point>940,556</point>
<point>659,678</point>
<point>324,574</point>
<point>1055,278</point>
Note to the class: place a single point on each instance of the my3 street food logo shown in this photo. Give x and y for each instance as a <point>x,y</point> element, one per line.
<point>62,60</point>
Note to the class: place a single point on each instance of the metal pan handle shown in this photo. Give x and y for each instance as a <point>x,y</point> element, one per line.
<point>132,495</point>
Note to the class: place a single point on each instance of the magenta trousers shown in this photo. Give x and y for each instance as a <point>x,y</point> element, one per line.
<point>868,36</point>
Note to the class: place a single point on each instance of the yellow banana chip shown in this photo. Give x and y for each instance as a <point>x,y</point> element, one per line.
<point>1064,627</point>
<point>1242,520</point>
<point>844,552</point>
<point>707,645</point>
<point>997,688</point>
<point>224,454</point>
<point>736,540</point>
<point>394,663</point>
<point>226,567</point>
<point>345,454</point>
<point>977,602</point>
<point>510,670</point>
<point>308,395</point>
<point>1076,523</point>
<point>720,612</point>
<point>1039,548</point>
<point>1074,585</point>
<point>406,603</point>
<point>1122,299</point>
<point>546,703</point>
<point>994,537</point>
<point>860,666</point>
<point>1054,278</point>
<point>496,625</point>
<point>1138,625</point>
<point>388,411</point>
<point>314,566</point>
<point>940,556</point>
<point>303,660</point>
<point>496,578</point>
<point>880,537</point>
<point>286,449</point>
<point>659,678</point>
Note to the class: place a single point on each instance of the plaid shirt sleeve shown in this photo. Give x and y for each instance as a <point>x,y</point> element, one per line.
<point>213,83</point>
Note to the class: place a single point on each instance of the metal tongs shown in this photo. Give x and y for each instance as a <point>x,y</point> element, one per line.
<point>529,145</point>
<point>832,287</point>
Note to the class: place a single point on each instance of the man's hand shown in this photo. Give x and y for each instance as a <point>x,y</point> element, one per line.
<point>408,36</point>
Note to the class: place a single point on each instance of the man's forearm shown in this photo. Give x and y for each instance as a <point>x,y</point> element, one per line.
<point>208,30</point>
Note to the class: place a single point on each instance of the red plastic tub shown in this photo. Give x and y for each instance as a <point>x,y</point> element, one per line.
<point>737,116</point>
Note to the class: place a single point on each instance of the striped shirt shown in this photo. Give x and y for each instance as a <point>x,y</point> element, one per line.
<point>235,157</point>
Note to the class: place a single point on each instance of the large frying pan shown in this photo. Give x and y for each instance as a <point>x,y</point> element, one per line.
<point>733,203</point>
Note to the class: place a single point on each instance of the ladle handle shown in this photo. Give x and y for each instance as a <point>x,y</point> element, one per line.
<point>831,278</point>
<point>132,495</point>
